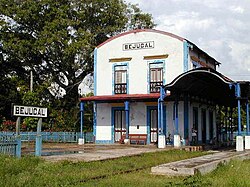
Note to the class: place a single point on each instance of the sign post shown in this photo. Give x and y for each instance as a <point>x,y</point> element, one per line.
<point>39,138</point>
<point>18,138</point>
<point>29,111</point>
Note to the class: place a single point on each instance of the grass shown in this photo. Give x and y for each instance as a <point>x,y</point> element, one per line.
<point>125,171</point>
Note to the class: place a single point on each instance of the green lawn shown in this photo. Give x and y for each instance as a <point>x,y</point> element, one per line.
<point>126,171</point>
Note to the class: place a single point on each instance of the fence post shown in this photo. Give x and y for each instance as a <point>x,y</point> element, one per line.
<point>18,138</point>
<point>39,138</point>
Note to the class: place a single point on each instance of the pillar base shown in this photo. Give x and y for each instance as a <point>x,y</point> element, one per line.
<point>126,141</point>
<point>80,141</point>
<point>177,140</point>
<point>247,142</point>
<point>161,141</point>
<point>239,143</point>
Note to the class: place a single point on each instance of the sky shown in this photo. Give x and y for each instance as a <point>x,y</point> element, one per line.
<point>221,28</point>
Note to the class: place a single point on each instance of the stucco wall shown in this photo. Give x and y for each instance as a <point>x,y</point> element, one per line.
<point>138,116</point>
<point>103,120</point>
<point>137,67</point>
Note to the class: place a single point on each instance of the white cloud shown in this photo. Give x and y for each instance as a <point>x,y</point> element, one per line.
<point>237,9</point>
<point>221,28</point>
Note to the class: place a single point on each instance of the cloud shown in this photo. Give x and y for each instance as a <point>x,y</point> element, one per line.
<point>237,9</point>
<point>221,28</point>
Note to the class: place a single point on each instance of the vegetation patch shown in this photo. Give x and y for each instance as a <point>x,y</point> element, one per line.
<point>125,171</point>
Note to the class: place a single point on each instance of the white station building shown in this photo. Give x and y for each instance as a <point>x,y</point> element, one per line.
<point>151,86</point>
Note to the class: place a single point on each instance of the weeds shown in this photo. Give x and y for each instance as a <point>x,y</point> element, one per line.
<point>125,171</point>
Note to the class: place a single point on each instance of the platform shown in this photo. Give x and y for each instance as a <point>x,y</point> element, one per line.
<point>202,165</point>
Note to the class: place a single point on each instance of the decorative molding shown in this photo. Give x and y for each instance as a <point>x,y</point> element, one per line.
<point>120,59</point>
<point>155,57</point>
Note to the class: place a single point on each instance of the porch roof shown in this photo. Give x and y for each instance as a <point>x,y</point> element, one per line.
<point>205,83</point>
<point>123,97</point>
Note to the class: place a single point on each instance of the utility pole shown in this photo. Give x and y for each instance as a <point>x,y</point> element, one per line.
<point>31,81</point>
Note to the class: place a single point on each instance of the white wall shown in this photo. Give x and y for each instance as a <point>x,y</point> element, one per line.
<point>103,119</point>
<point>171,123</point>
<point>138,67</point>
<point>138,116</point>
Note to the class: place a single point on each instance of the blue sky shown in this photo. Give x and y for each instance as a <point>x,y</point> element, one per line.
<point>219,27</point>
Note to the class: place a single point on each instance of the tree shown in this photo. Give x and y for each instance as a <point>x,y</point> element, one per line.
<point>56,39</point>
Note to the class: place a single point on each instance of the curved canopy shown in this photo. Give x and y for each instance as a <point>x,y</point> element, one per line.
<point>205,83</point>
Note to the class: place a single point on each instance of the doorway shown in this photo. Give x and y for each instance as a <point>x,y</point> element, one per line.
<point>153,124</point>
<point>119,124</point>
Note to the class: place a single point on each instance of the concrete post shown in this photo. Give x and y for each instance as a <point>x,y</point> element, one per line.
<point>39,138</point>
<point>177,138</point>
<point>18,137</point>
<point>161,136</point>
<point>247,116</point>
<point>239,138</point>
<point>81,139</point>
<point>247,137</point>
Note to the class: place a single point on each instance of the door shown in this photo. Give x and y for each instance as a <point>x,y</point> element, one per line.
<point>119,124</point>
<point>153,120</point>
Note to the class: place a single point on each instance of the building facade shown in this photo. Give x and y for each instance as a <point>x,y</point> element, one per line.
<point>129,71</point>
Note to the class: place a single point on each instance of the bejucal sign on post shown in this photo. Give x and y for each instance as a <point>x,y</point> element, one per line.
<point>30,111</point>
<point>138,45</point>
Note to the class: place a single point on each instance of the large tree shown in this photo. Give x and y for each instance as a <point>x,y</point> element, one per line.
<point>56,39</point>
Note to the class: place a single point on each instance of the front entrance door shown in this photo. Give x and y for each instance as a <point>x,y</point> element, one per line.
<point>153,120</point>
<point>119,124</point>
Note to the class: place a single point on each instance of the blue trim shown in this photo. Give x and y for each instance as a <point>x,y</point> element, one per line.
<point>156,62</point>
<point>148,122</point>
<point>82,118</point>
<point>113,75</point>
<point>148,78</point>
<point>176,118</point>
<point>196,64</point>
<point>104,142</point>
<point>186,117</point>
<point>247,111</point>
<point>113,79</point>
<point>94,119</point>
<point>164,73</point>
<point>95,70</point>
<point>185,56</point>
<point>162,93</point>
<point>18,146</point>
<point>38,149</point>
<point>165,126</point>
<point>238,93</point>
<point>149,108</point>
<point>113,122</point>
<point>127,118</point>
<point>127,77</point>
<point>159,116</point>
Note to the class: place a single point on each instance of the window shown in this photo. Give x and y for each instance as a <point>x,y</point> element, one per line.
<point>195,65</point>
<point>120,80</point>
<point>156,77</point>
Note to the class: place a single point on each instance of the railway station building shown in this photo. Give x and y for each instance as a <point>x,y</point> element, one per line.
<point>154,87</point>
